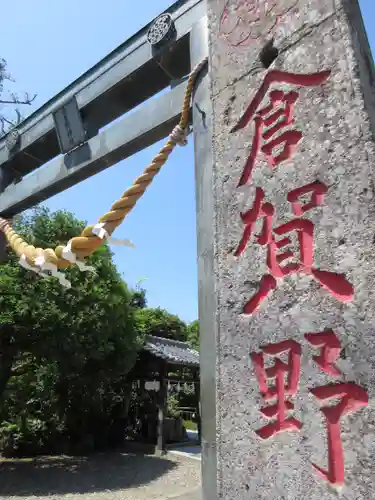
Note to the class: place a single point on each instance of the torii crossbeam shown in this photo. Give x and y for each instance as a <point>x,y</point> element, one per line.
<point>67,130</point>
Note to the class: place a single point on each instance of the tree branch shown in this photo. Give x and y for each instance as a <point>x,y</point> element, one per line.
<point>15,100</point>
<point>5,120</point>
<point>11,98</point>
<point>11,123</point>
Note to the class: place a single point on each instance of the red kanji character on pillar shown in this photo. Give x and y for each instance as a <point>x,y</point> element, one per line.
<point>335,283</point>
<point>273,122</point>
<point>353,397</point>
<point>250,217</point>
<point>317,190</point>
<point>280,391</point>
<point>330,350</point>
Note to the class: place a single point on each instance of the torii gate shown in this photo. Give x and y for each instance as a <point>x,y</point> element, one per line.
<point>290,83</point>
<point>66,131</point>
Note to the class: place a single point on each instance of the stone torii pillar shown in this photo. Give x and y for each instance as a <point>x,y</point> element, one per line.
<point>289,302</point>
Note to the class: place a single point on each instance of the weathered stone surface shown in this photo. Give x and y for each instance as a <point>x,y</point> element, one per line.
<point>338,150</point>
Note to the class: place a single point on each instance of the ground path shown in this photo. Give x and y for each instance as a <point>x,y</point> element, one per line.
<point>109,476</point>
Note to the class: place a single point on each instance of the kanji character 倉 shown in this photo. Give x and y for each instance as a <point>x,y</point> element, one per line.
<point>274,121</point>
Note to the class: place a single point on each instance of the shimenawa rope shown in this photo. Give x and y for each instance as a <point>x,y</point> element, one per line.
<point>39,259</point>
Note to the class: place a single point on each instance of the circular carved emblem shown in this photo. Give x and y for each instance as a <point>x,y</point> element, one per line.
<point>161,30</point>
<point>243,22</point>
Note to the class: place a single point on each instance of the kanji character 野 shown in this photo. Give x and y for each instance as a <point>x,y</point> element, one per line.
<point>353,397</point>
<point>277,253</point>
<point>330,350</point>
<point>273,122</point>
<point>281,391</point>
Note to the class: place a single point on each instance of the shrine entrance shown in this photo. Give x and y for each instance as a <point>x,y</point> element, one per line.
<point>164,368</point>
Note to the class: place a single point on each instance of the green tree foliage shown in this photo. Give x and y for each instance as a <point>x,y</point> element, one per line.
<point>193,334</point>
<point>160,323</point>
<point>64,354</point>
<point>139,300</point>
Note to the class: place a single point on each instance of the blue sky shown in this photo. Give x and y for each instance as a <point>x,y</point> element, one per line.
<point>50,43</point>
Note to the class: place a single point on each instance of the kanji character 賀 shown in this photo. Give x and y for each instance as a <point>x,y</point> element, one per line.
<point>277,253</point>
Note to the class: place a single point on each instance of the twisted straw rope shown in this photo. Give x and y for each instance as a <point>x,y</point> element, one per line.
<point>87,242</point>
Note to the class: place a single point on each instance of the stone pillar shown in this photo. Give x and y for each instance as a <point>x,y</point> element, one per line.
<point>197,393</point>
<point>208,307</point>
<point>294,256</point>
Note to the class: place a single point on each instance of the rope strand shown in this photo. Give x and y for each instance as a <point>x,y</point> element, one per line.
<point>87,242</point>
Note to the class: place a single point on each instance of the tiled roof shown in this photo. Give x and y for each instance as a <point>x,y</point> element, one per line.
<point>173,351</point>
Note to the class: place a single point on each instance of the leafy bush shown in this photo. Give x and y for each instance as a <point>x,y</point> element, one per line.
<point>190,425</point>
<point>173,407</point>
<point>26,437</point>
<point>64,355</point>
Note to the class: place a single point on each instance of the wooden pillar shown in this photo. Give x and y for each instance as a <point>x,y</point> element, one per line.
<point>141,417</point>
<point>161,405</point>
